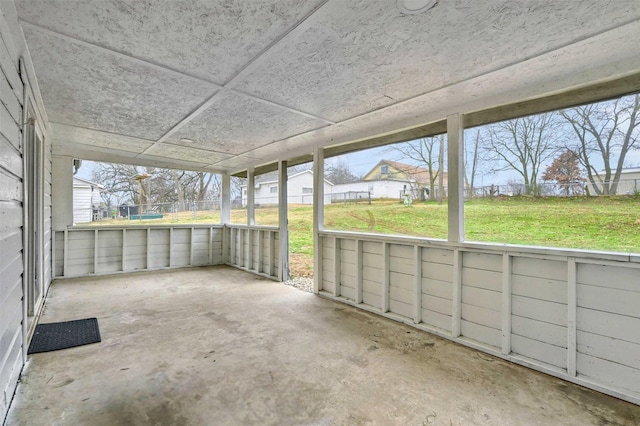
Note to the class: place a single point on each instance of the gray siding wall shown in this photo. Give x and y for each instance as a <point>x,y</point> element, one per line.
<point>568,313</point>
<point>12,321</point>
<point>11,221</point>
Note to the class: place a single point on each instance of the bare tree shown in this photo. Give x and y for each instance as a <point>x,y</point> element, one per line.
<point>524,145</point>
<point>340,172</point>
<point>117,182</point>
<point>605,132</point>
<point>471,162</point>
<point>425,152</point>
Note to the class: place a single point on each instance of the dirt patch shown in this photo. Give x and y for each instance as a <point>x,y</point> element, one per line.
<point>300,265</point>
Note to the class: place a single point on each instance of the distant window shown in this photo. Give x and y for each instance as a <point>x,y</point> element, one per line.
<point>274,189</point>
<point>307,190</point>
<point>384,169</point>
<point>244,191</point>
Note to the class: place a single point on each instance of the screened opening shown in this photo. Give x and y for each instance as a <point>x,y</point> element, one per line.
<point>568,178</point>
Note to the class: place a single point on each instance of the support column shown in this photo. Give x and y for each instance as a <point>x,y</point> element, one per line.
<point>225,217</point>
<point>283,221</point>
<point>225,202</point>
<point>455,177</point>
<point>61,192</point>
<point>251,198</point>
<point>318,216</point>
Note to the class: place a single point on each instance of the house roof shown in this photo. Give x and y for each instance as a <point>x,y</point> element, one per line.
<point>82,181</point>
<point>415,173</point>
<point>223,86</point>
<point>269,178</point>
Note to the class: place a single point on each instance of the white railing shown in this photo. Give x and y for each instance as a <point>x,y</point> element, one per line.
<point>81,251</point>
<point>253,248</point>
<point>573,314</point>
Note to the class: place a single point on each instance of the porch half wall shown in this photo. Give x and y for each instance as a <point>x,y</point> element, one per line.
<point>82,251</point>
<point>570,314</point>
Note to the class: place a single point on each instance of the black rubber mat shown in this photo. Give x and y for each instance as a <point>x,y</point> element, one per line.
<point>62,335</point>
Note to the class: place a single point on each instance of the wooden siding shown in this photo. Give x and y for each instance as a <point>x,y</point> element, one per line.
<point>562,312</point>
<point>11,223</point>
<point>87,251</point>
<point>252,248</point>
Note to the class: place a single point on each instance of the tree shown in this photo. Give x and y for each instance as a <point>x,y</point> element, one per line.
<point>119,187</point>
<point>426,153</point>
<point>524,145</point>
<point>565,171</point>
<point>605,131</point>
<point>471,162</point>
<point>340,173</point>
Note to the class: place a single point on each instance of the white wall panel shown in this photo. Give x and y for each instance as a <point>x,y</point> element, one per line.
<point>135,248</point>
<point>534,310</point>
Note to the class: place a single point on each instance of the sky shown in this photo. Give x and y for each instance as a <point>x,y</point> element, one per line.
<point>361,162</point>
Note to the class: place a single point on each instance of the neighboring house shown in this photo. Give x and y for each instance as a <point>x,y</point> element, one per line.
<point>629,182</point>
<point>86,200</point>
<point>391,179</point>
<point>299,189</point>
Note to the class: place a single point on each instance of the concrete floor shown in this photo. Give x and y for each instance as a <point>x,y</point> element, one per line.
<point>216,345</point>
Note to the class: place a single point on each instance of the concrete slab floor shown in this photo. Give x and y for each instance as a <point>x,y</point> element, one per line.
<point>216,345</point>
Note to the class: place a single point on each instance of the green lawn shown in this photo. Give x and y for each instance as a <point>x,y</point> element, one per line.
<point>599,223</point>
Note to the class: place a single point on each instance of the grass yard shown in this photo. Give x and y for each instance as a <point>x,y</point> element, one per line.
<point>598,223</point>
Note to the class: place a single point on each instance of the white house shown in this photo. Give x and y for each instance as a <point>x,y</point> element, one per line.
<point>299,187</point>
<point>629,182</point>
<point>388,179</point>
<point>86,198</point>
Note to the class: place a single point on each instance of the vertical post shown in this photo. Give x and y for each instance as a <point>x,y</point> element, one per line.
<point>191,247</point>
<point>251,189</point>
<point>318,216</point>
<point>506,304</point>
<point>148,247</point>
<point>225,217</point>
<point>283,221</point>
<point>337,273</point>
<point>62,188</point>
<point>210,248</point>
<point>65,253</point>
<point>417,284</point>
<point>272,254</point>
<point>232,245</point>
<point>572,312</point>
<point>95,251</point>
<point>260,250</point>
<point>170,244</point>
<point>359,284</point>
<point>385,277</point>
<point>455,177</point>
<point>456,309</point>
<point>225,201</point>
<point>124,249</point>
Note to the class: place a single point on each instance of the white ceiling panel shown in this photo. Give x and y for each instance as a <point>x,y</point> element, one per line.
<point>186,153</point>
<point>355,57</point>
<point>71,134</point>
<point>236,124</point>
<point>205,38</point>
<point>232,84</point>
<point>94,89</point>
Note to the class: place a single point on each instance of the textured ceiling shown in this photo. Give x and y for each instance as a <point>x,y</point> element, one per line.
<point>223,85</point>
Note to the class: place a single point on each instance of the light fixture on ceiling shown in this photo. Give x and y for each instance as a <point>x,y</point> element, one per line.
<point>413,7</point>
<point>186,140</point>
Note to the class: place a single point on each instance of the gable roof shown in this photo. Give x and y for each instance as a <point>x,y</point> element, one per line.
<point>272,177</point>
<point>83,182</point>
<point>415,173</point>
